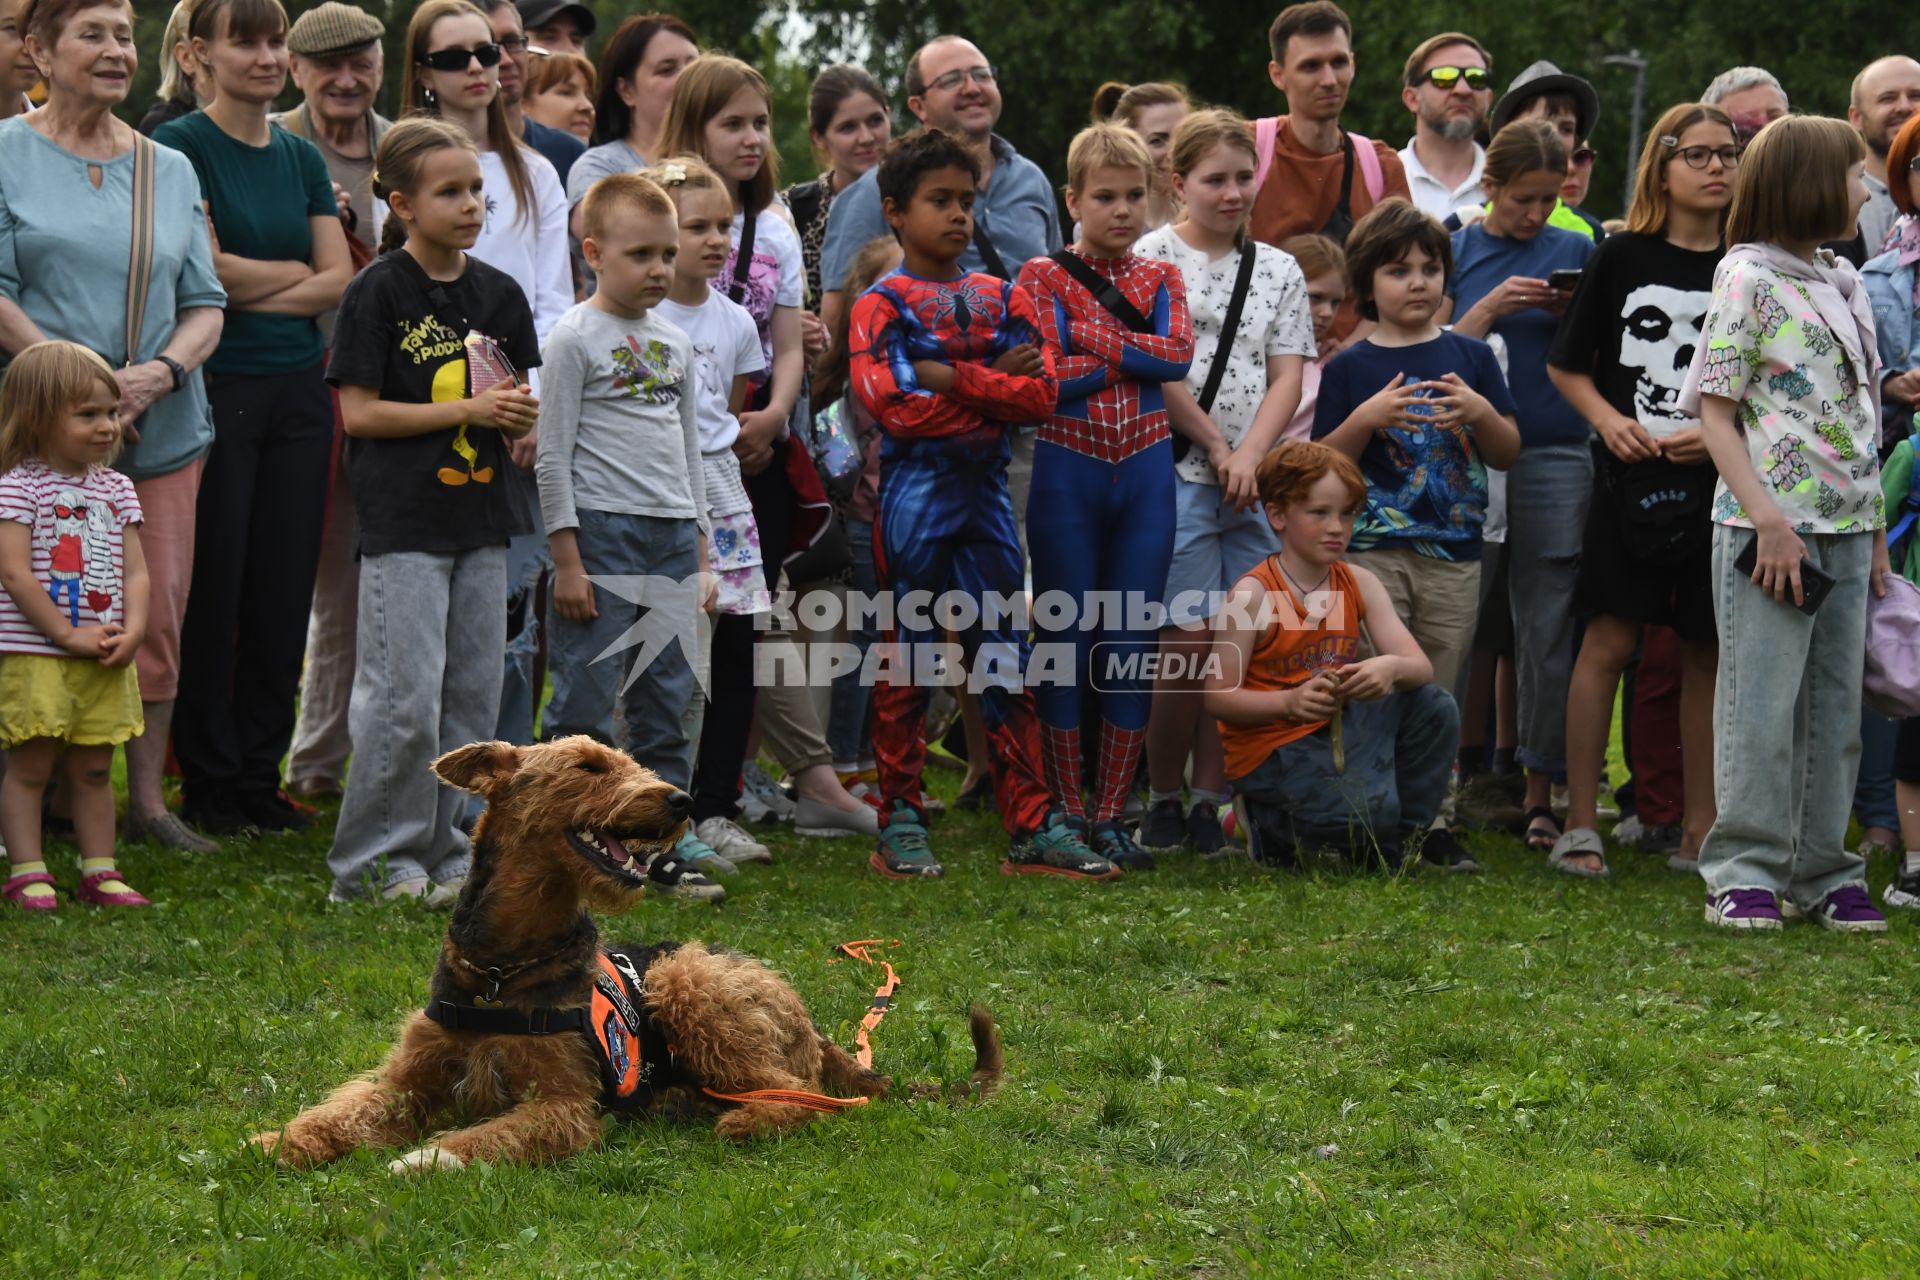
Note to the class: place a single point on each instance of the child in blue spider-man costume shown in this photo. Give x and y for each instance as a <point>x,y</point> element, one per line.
<point>944,360</point>
<point>1100,518</point>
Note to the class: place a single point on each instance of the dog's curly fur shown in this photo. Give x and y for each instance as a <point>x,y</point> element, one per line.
<point>736,1026</point>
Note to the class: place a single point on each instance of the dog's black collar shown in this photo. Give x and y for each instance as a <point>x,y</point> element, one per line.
<point>510,1022</point>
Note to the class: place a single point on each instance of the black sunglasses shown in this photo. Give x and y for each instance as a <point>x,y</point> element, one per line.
<point>487,55</point>
<point>1447,77</point>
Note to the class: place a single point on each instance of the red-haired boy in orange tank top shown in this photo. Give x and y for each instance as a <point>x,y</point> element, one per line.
<point>1325,748</point>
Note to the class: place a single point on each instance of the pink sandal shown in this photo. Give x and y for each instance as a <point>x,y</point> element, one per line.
<point>90,892</point>
<point>14,891</point>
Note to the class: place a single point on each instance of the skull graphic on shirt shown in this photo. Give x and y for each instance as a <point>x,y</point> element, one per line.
<point>1661,329</point>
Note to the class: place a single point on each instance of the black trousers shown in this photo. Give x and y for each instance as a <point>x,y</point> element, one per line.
<point>263,499</point>
<point>729,718</point>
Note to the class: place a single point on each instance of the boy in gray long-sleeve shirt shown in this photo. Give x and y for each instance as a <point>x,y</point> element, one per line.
<point>622,491</point>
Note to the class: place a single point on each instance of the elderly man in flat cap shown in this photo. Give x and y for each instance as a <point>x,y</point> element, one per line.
<point>337,63</point>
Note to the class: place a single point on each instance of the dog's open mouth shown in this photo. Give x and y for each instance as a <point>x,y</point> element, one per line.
<point>623,853</point>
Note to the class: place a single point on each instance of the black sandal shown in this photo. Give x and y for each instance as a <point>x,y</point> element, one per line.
<point>1537,837</point>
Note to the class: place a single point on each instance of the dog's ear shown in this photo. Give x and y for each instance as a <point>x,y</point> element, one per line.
<point>480,767</point>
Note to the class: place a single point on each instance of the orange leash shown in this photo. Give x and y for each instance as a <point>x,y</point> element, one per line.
<point>882,1001</point>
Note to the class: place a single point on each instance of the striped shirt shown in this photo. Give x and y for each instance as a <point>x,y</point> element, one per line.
<point>76,525</point>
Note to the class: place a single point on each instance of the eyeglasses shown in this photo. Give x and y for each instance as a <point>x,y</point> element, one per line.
<point>1444,78</point>
<point>513,43</point>
<point>1700,157</point>
<point>487,55</point>
<point>1581,157</point>
<point>954,79</point>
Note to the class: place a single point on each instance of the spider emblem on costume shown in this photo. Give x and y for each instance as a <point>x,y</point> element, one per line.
<point>961,303</point>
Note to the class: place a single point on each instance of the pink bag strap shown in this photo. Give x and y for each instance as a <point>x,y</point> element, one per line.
<point>1267,128</point>
<point>1369,166</point>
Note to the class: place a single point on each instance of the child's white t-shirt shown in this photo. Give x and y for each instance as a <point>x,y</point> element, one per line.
<point>74,528</point>
<point>1274,321</point>
<point>725,345</point>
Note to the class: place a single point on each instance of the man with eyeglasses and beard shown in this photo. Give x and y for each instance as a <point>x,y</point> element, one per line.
<point>1449,89</point>
<point>951,87</point>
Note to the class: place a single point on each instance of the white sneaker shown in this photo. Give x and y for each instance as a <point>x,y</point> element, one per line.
<point>761,799</point>
<point>726,838</point>
<point>812,818</point>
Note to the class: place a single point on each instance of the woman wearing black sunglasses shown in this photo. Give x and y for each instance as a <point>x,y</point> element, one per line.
<point>452,70</point>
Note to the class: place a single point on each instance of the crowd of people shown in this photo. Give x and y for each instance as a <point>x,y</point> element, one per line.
<point>329,438</point>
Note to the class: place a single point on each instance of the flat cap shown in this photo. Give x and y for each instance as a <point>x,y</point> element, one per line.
<point>334,28</point>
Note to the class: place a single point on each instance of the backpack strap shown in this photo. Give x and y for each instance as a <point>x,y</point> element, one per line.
<point>1229,328</point>
<point>1103,290</point>
<point>1265,130</point>
<point>1370,170</point>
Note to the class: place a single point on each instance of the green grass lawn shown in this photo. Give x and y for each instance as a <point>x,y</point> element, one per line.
<point>1211,1071</point>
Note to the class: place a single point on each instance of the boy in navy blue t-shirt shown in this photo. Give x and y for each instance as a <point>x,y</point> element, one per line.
<point>1424,412</point>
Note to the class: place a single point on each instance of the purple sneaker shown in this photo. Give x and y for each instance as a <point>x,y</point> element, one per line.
<point>1744,909</point>
<point>1848,909</point>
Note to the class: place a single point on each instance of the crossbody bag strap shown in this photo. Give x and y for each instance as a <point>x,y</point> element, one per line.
<point>742,259</point>
<point>140,265</point>
<point>1104,291</point>
<point>1230,328</point>
<point>995,264</point>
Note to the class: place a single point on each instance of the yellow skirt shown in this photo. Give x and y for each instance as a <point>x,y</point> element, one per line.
<point>75,700</point>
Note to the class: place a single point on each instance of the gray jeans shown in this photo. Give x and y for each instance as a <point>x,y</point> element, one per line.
<point>426,680</point>
<point>1548,489</point>
<point>589,668</point>
<point>1786,725</point>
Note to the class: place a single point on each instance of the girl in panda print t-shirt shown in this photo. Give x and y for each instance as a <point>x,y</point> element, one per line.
<point>1620,358</point>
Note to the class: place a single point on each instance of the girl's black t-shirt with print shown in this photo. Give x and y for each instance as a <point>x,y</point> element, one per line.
<point>405,334</point>
<point>1633,325</point>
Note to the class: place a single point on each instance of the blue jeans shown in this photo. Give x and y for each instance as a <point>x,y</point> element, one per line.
<point>587,685</point>
<point>1399,755</point>
<point>849,732</point>
<point>1786,725</point>
<point>1873,801</point>
<point>1548,490</point>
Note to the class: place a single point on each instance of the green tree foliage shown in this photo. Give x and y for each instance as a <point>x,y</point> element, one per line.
<point>1053,55</point>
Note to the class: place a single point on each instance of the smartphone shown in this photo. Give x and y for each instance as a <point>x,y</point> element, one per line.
<point>1567,278</point>
<point>1815,582</point>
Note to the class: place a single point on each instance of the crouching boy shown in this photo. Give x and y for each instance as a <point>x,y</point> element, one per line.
<point>1325,749</point>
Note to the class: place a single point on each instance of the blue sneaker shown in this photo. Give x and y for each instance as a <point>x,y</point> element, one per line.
<point>701,856</point>
<point>902,853</point>
<point>1112,841</point>
<point>1057,849</point>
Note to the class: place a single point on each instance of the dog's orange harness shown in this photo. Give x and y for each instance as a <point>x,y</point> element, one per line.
<point>628,1043</point>
<point>882,1001</point>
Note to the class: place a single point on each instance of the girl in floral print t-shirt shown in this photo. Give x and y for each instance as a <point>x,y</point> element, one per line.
<point>1784,382</point>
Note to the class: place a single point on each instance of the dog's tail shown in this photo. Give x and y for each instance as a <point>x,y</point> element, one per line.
<point>989,1063</point>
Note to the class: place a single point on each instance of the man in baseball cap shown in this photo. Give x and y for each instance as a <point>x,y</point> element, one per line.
<point>558,26</point>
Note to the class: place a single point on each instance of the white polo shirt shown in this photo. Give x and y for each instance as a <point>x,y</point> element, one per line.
<point>1430,195</point>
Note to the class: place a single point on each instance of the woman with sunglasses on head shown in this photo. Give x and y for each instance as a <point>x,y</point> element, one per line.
<point>1646,566</point>
<point>282,256</point>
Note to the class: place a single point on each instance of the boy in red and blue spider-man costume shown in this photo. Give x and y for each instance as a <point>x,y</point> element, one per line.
<point>944,360</point>
<point>1101,515</point>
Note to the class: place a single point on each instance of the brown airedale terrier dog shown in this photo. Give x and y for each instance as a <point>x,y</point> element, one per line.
<point>533,1029</point>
